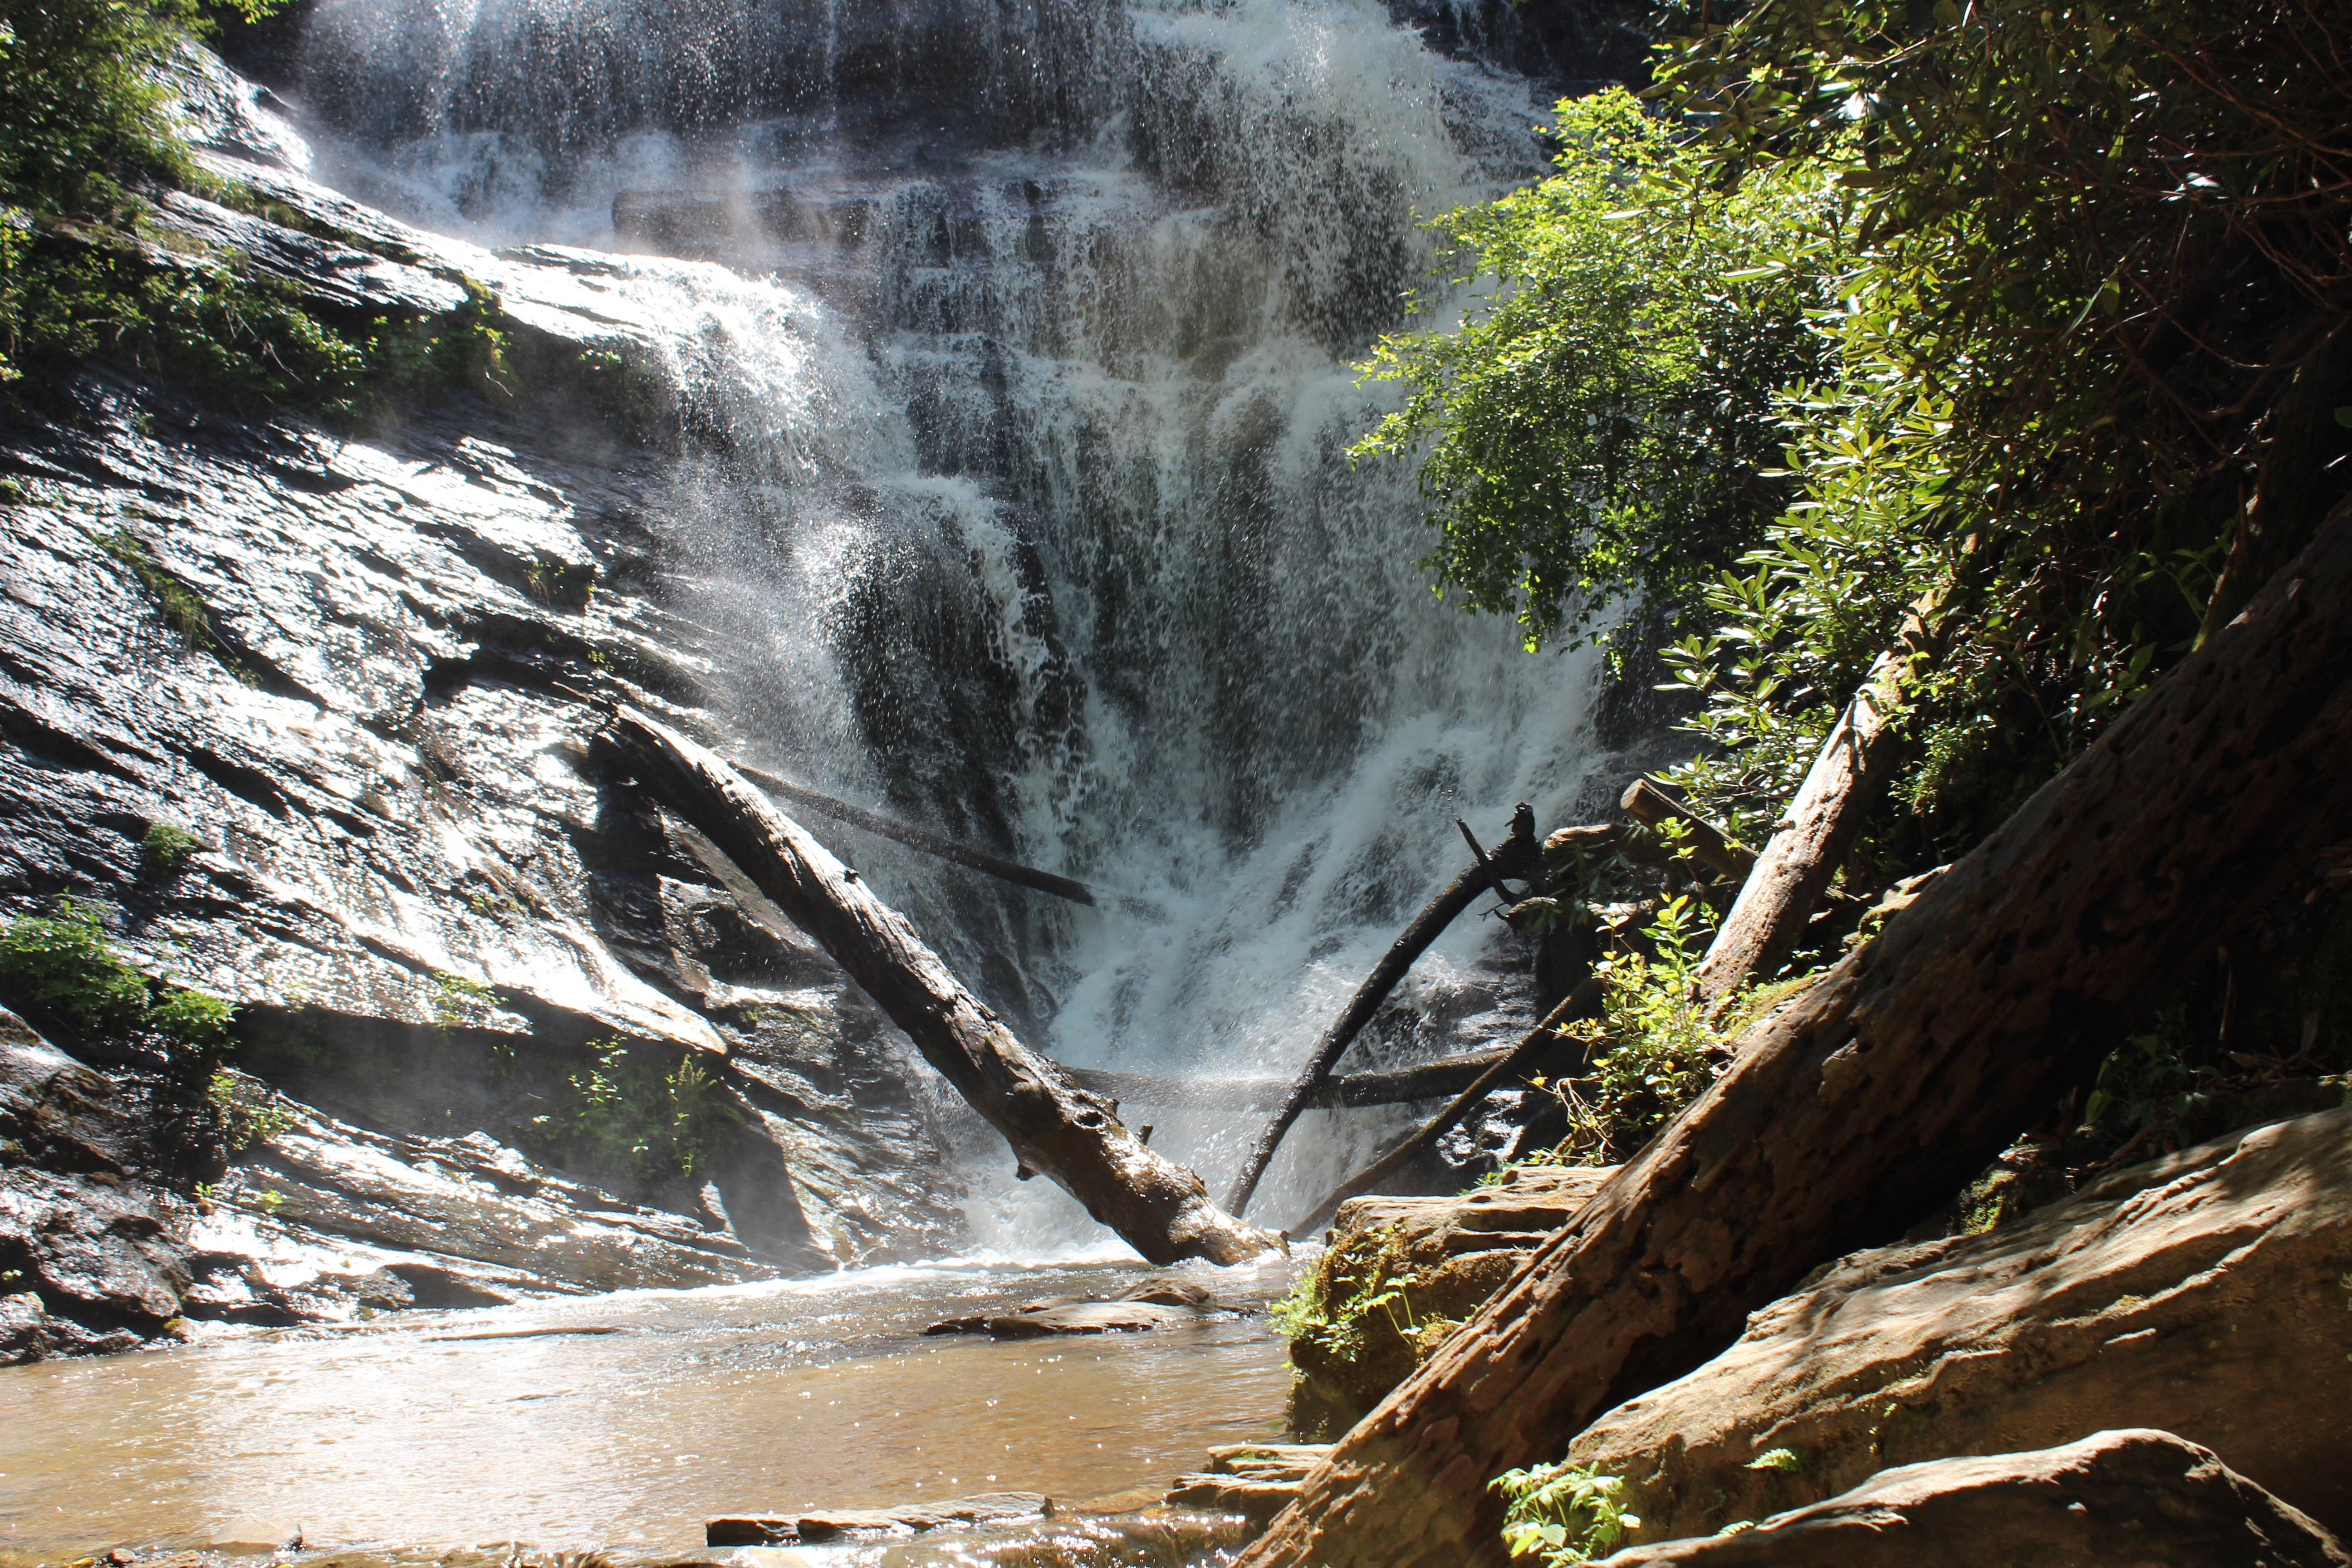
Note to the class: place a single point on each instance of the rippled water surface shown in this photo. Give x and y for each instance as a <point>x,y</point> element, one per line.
<point>751,1397</point>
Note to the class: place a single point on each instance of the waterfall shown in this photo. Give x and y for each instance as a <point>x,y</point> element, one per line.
<point>1029,377</point>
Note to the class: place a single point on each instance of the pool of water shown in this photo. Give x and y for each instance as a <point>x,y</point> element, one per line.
<point>685,1405</point>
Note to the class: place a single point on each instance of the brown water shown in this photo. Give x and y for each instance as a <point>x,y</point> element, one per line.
<point>738,1398</point>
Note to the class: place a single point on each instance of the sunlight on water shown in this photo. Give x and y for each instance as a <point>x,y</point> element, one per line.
<point>803,1393</point>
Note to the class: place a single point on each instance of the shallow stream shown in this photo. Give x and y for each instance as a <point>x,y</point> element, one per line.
<point>682,1405</point>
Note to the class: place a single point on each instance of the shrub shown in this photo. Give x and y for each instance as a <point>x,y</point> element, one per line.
<point>69,981</point>
<point>166,847</point>
<point>630,1117</point>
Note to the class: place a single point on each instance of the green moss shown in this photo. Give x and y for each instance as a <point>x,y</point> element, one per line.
<point>166,848</point>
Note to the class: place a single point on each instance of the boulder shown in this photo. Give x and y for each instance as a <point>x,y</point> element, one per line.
<point>2207,1293</point>
<point>1154,1304</point>
<point>2134,1499</point>
<point>1257,1480</point>
<point>1439,1257</point>
<point>850,1524</point>
<point>95,1262</point>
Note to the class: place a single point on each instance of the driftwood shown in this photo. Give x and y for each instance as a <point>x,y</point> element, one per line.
<point>1793,875</point>
<point>1056,1128</point>
<point>1647,804</point>
<point>1858,1108</point>
<point>1397,1085</point>
<point>1578,1003</point>
<point>1516,856</point>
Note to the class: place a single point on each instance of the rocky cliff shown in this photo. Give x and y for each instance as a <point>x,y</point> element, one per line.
<point>344,658</point>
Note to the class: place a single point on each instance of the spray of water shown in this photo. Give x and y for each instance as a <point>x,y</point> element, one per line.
<point>1026,499</point>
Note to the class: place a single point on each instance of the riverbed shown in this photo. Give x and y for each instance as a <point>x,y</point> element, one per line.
<point>643,1415</point>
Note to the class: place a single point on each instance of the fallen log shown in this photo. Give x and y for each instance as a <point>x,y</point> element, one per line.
<point>1858,1108</point>
<point>1789,879</point>
<point>1398,1086</point>
<point>1516,856</point>
<point>1579,1002</point>
<point>944,848</point>
<point>1712,848</point>
<point>1055,1127</point>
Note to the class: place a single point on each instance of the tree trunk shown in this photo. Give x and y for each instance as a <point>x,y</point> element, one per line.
<point>1055,1127</point>
<point>1794,871</point>
<point>1853,1111</point>
<point>1577,1003</point>
<point>1647,804</point>
<point>1516,856</point>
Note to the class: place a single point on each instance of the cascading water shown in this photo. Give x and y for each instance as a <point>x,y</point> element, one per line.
<point>1027,502</point>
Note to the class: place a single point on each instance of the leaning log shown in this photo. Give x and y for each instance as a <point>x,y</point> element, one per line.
<point>1056,1128</point>
<point>1854,1110</point>
<point>1793,875</point>
<point>1647,804</point>
<point>1578,1003</point>
<point>1516,856</point>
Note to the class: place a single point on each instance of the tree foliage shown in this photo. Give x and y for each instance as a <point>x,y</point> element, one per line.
<point>2058,312</point>
<point>1602,425</point>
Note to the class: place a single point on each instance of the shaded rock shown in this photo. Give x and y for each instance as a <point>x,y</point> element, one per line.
<point>1442,1256</point>
<point>840,1524</point>
<point>2134,1499</point>
<point>98,1256</point>
<point>2209,1292</point>
<point>55,1112</point>
<point>1257,1480</point>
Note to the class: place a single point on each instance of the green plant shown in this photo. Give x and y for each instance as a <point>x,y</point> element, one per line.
<point>630,1115</point>
<point>250,1111</point>
<point>180,607</point>
<point>1651,1051</point>
<point>166,847</point>
<point>457,1000</point>
<point>1604,425</point>
<point>63,973</point>
<point>1564,1514</point>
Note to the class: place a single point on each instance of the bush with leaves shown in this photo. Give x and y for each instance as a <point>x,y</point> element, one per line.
<point>1564,1515</point>
<point>1603,426</point>
<point>639,1117</point>
<point>68,980</point>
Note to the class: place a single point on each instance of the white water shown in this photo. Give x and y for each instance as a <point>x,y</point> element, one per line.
<point>1036,525</point>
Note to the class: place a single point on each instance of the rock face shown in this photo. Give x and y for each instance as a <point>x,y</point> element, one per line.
<point>2134,1499</point>
<point>431,909</point>
<point>1257,1480</point>
<point>1441,1257</point>
<point>2208,1293</point>
<point>92,1255</point>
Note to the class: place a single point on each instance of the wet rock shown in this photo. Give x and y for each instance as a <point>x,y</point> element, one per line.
<point>1155,1304</point>
<point>428,903</point>
<point>1257,1480</point>
<point>2206,1293</point>
<point>99,1254</point>
<point>57,1114</point>
<point>326,1222</point>
<point>1443,1256</point>
<point>813,1525</point>
<point>2134,1498</point>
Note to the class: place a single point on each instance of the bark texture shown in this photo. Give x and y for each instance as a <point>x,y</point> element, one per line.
<point>1859,1106</point>
<point>1646,804</point>
<point>1056,1128</point>
<point>1793,873</point>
